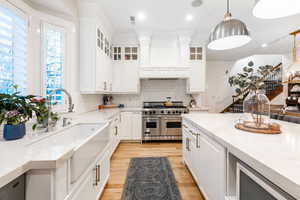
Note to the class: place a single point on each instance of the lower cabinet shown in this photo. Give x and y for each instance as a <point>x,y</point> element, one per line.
<point>206,159</point>
<point>87,189</point>
<point>131,126</point>
<point>94,183</point>
<point>114,134</point>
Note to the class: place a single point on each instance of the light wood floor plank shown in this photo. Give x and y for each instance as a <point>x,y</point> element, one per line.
<point>126,151</point>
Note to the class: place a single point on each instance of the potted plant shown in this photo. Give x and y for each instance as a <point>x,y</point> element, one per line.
<point>15,110</point>
<point>42,114</point>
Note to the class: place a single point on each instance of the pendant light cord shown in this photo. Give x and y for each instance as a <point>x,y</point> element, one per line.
<point>228,14</point>
<point>228,6</point>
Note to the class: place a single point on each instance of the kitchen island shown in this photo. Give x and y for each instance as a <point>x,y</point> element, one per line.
<point>213,149</point>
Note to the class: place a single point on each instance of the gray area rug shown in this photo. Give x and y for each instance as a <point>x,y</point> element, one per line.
<point>150,179</point>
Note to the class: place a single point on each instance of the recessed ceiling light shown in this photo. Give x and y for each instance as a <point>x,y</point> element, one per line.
<point>264,45</point>
<point>270,9</point>
<point>141,16</point>
<point>197,3</point>
<point>189,17</point>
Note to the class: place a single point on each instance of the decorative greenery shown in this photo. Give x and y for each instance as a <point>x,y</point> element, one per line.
<point>42,113</point>
<point>16,109</point>
<point>249,79</point>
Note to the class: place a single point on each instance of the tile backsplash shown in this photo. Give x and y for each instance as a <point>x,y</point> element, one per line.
<point>155,90</point>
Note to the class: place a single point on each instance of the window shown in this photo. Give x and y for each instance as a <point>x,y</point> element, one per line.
<point>117,53</point>
<point>54,60</point>
<point>196,53</point>
<point>13,50</point>
<point>131,53</point>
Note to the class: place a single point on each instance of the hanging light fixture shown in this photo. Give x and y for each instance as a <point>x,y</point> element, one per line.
<point>295,67</point>
<point>230,33</point>
<point>272,9</point>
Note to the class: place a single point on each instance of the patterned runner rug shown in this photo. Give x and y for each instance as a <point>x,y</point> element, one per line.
<point>150,179</point>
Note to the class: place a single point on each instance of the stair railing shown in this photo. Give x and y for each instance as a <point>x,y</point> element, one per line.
<point>274,76</point>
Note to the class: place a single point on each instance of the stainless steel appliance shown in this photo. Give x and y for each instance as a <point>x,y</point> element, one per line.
<point>251,185</point>
<point>162,122</point>
<point>15,190</point>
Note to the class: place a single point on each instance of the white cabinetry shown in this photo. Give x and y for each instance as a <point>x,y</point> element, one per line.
<point>126,77</point>
<point>114,133</point>
<point>206,160</point>
<point>95,61</point>
<point>94,183</point>
<point>87,189</point>
<point>131,126</point>
<point>197,79</point>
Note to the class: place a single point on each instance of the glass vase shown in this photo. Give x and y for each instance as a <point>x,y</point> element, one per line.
<point>256,110</point>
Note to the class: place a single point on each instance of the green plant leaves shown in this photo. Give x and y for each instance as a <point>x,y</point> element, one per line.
<point>249,79</point>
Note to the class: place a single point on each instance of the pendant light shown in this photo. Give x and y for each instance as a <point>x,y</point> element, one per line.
<point>295,67</point>
<point>272,9</point>
<point>230,33</point>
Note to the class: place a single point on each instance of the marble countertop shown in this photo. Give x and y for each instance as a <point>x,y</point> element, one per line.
<point>17,157</point>
<point>277,157</point>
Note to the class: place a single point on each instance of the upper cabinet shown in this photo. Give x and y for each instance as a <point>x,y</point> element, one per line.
<point>126,64</point>
<point>95,51</point>
<point>196,82</point>
<point>116,67</point>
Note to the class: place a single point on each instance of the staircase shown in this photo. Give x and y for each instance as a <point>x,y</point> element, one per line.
<point>273,88</point>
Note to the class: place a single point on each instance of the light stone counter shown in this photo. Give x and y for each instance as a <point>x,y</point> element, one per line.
<point>277,157</point>
<point>17,157</point>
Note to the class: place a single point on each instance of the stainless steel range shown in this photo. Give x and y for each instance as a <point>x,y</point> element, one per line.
<point>161,122</point>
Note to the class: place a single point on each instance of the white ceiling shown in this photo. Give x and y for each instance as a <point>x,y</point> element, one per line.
<point>169,15</point>
<point>66,7</point>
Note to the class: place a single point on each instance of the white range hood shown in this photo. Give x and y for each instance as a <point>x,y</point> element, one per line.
<point>164,56</point>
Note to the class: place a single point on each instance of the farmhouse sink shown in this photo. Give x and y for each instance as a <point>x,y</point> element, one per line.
<point>86,152</point>
<point>85,140</point>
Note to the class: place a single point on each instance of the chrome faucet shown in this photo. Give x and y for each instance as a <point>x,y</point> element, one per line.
<point>70,103</point>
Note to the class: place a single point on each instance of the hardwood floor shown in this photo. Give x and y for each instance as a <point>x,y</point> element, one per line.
<point>125,151</point>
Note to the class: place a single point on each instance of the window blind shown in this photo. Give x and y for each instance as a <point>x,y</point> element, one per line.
<point>54,60</point>
<point>13,51</point>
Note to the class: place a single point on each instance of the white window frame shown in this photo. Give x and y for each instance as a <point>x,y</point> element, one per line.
<point>196,53</point>
<point>21,13</point>
<point>44,26</point>
<point>131,53</point>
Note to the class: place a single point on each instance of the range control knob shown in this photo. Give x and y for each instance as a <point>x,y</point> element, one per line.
<point>169,112</point>
<point>162,112</point>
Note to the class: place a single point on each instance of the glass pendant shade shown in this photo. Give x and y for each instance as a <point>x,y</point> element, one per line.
<point>272,9</point>
<point>229,34</point>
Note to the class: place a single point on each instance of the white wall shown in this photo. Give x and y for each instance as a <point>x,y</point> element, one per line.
<point>83,103</point>
<point>155,90</point>
<point>219,92</point>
